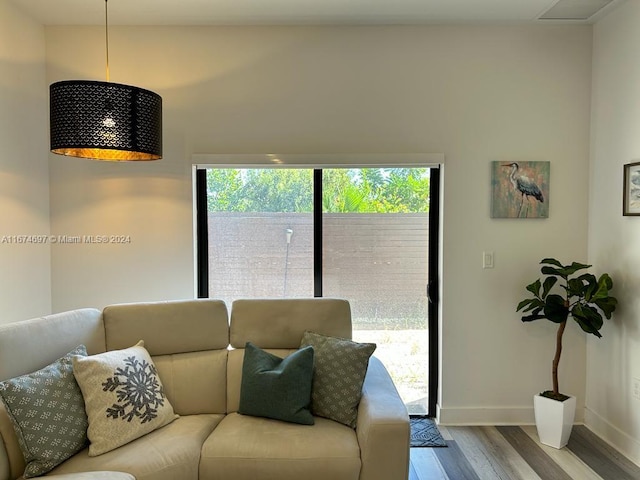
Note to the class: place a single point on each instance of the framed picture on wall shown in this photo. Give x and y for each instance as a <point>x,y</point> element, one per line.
<point>520,189</point>
<point>631,190</point>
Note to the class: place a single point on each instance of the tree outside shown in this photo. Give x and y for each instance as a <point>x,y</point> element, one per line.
<point>364,190</point>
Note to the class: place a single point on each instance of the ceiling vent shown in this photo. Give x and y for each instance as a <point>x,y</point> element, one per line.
<point>574,9</point>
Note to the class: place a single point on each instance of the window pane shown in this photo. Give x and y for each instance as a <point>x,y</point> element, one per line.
<point>260,233</point>
<point>375,251</point>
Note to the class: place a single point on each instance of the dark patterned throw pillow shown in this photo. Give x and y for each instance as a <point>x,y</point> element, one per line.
<point>47,411</point>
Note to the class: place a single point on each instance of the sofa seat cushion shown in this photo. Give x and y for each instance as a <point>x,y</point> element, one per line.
<point>169,453</point>
<point>246,448</point>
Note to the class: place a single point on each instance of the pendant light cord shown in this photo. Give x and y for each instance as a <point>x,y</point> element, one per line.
<point>106,34</point>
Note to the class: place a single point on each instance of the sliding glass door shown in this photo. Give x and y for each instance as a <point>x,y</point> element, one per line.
<point>360,234</point>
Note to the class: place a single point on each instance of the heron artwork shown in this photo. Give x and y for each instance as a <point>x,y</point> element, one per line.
<point>520,189</point>
<point>631,203</point>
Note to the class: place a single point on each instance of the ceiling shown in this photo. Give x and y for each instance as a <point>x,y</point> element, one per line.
<point>308,12</point>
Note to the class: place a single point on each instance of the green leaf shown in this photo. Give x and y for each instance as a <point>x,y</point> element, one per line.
<point>574,267</point>
<point>607,305</point>
<point>551,261</point>
<point>549,282</point>
<point>575,287</point>
<point>555,309</point>
<point>588,318</point>
<point>604,285</point>
<point>590,285</point>
<point>552,271</point>
<point>579,266</point>
<point>530,304</point>
<point>524,303</point>
<point>535,288</point>
<point>593,315</point>
<point>353,199</point>
<point>606,279</point>
<point>565,271</point>
<point>532,317</point>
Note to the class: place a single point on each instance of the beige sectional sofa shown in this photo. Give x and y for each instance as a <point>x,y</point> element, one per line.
<point>198,349</point>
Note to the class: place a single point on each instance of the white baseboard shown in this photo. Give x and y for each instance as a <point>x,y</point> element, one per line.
<point>491,415</point>
<point>621,441</point>
<point>485,416</point>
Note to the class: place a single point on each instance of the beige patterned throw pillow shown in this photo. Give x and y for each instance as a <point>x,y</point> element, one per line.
<point>123,397</point>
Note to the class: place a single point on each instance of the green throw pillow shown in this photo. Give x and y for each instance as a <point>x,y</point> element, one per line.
<point>277,388</point>
<point>340,368</point>
<point>47,411</point>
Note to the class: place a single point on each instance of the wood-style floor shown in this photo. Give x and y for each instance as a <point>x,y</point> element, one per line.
<point>514,453</point>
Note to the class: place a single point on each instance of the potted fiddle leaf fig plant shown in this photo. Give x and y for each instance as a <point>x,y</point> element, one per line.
<point>565,291</point>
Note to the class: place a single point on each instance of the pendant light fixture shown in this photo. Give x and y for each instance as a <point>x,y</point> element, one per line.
<point>104,120</point>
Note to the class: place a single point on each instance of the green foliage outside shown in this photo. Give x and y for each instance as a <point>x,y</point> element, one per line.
<point>366,190</point>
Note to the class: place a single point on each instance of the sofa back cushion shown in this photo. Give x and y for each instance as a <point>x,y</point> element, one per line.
<point>187,340</point>
<point>30,345</point>
<point>277,325</point>
<point>280,323</point>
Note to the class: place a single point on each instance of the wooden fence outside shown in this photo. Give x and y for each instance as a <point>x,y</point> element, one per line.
<point>376,261</point>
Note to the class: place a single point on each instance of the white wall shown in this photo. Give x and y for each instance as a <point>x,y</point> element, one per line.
<point>477,94</point>
<point>25,273</point>
<point>614,240</point>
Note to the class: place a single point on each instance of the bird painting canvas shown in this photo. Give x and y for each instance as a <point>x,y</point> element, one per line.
<point>631,202</point>
<point>520,189</point>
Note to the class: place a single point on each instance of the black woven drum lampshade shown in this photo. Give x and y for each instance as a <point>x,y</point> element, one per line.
<point>105,121</point>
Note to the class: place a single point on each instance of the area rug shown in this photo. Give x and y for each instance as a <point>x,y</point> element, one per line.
<point>425,433</point>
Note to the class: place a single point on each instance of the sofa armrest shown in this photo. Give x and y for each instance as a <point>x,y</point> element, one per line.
<point>382,427</point>
<point>5,472</point>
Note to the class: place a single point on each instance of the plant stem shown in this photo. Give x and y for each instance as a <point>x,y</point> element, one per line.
<point>556,359</point>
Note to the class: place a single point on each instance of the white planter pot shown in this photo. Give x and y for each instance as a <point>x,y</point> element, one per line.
<point>554,419</point>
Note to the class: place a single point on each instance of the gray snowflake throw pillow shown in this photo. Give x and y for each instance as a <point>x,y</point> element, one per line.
<point>47,412</point>
<point>123,397</point>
